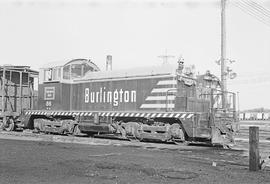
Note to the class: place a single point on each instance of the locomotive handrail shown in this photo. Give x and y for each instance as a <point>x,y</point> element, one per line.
<point>230,109</point>
<point>169,90</point>
<point>218,94</point>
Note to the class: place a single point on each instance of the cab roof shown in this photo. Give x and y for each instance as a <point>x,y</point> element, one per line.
<point>69,62</point>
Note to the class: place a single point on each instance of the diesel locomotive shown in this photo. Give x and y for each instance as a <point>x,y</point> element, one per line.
<point>164,103</point>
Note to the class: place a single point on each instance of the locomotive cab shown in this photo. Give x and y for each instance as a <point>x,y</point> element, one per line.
<point>56,78</point>
<point>66,71</point>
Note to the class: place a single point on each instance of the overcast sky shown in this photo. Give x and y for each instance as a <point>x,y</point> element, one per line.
<point>135,33</point>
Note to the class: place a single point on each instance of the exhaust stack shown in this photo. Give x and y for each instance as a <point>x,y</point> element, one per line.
<point>109,62</point>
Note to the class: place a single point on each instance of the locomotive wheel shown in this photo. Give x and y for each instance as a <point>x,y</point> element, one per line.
<point>176,131</point>
<point>9,125</point>
<point>1,125</point>
<point>76,130</point>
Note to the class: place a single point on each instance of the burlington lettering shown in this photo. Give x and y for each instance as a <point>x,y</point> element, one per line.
<point>113,97</point>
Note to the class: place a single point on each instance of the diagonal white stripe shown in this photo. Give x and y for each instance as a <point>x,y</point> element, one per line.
<point>163,90</point>
<point>167,82</point>
<point>183,116</point>
<point>169,97</point>
<point>177,115</point>
<point>165,115</point>
<point>171,115</point>
<point>157,106</point>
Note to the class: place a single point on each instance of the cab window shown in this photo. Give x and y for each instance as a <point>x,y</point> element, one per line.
<point>52,74</point>
<point>76,71</point>
<point>66,72</point>
<point>48,74</point>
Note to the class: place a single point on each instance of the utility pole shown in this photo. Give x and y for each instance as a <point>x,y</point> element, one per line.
<point>223,55</point>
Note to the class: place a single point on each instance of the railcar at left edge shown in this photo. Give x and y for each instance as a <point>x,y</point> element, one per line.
<point>17,94</point>
<point>159,103</point>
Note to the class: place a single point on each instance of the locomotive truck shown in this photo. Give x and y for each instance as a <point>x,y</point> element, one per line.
<point>164,103</point>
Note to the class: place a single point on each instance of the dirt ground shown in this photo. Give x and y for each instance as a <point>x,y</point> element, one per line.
<point>45,159</point>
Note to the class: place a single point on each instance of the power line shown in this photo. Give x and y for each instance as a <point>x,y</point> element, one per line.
<point>243,9</point>
<point>255,6</point>
<point>255,10</point>
<point>251,13</point>
<point>254,13</point>
<point>259,7</point>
